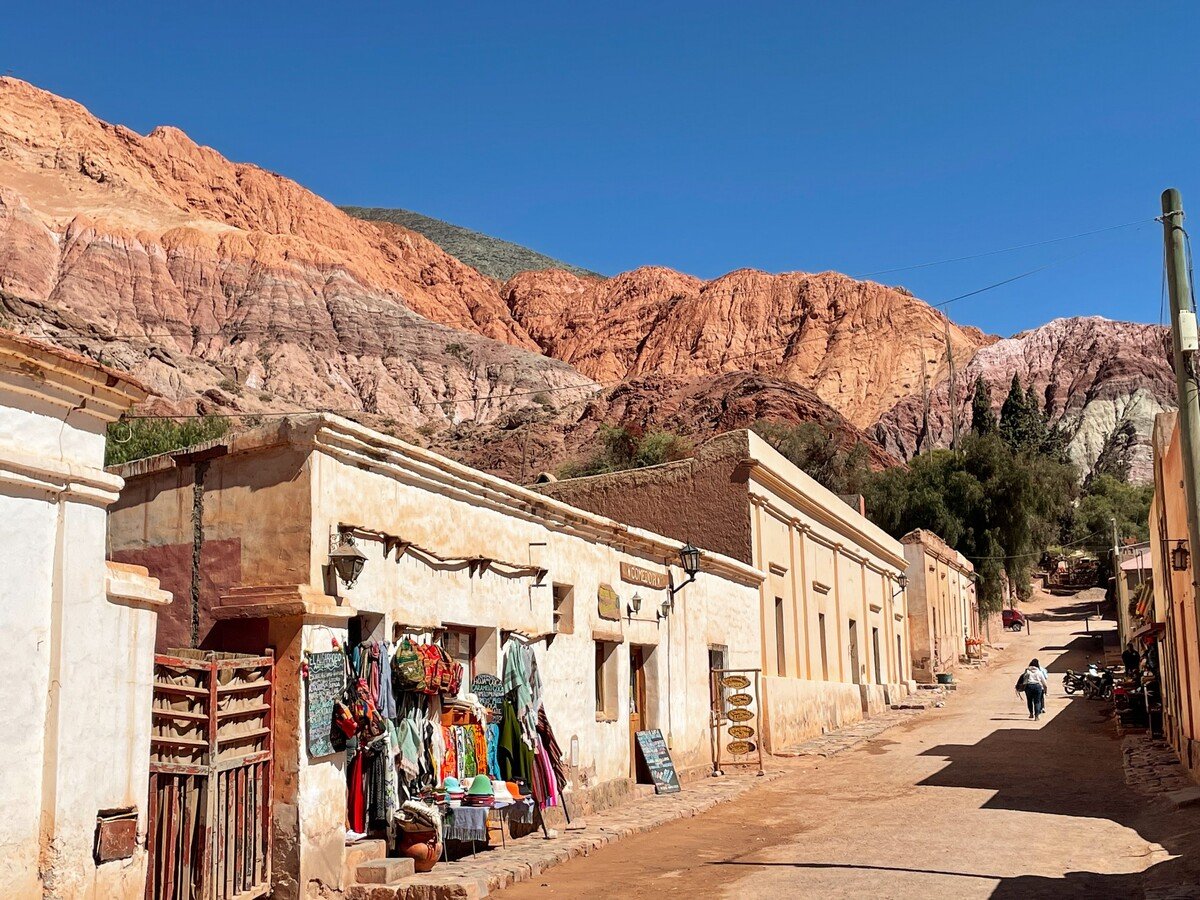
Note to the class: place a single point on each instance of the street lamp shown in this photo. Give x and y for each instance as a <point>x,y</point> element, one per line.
<point>902,582</point>
<point>689,559</point>
<point>347,560</point>
<point>1180,556</point>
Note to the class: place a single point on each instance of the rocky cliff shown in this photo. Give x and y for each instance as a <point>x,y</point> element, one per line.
<point>228,288</point>
<point>859,346</point>
<point>1091,374</point>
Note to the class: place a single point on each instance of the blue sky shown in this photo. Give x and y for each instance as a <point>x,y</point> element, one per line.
<point>702,136</point>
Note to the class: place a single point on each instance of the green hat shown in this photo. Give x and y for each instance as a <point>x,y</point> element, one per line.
<point>481,786</point>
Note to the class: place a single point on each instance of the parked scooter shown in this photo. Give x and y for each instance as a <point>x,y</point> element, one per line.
<point>1098,682</point>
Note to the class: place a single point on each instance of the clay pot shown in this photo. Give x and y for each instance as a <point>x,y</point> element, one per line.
<point>422,847</point>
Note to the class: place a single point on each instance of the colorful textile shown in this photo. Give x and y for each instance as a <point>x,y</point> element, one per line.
<point>491,739</point>
<point>450,760</point>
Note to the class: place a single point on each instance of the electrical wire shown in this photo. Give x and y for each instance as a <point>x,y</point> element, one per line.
<point>1082,540</point>
<point>1057,240</point>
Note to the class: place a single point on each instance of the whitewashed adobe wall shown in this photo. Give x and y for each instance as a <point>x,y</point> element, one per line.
<point>79,636</point>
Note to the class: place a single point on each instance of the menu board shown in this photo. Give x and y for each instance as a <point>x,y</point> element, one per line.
<point>490,691</point>
<point>325,685</point>
<point>658,761</point>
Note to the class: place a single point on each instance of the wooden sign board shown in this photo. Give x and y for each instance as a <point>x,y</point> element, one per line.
<point>326,684</point>
<point>645,577</point>
<point>658,761</point>
<point>608,604</point>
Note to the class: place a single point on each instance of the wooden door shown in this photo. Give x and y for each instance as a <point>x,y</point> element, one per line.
<point>637,709</point>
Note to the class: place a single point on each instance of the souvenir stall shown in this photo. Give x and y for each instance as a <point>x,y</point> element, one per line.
<point>436,765</point>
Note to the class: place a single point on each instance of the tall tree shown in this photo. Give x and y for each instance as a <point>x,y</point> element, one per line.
<point>1012,413</point>
<point>983,420</point>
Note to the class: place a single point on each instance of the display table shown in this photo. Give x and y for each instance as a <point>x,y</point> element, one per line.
<point>469,823</point>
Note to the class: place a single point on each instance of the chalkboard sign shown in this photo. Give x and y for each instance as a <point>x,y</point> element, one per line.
<point>490,691</point>
<point>326,684</point>
<point>658,761</point>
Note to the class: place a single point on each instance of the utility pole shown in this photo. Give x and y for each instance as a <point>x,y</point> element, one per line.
<point>923,434</point>
<point>1183,343</point>
<point>1119,586</point>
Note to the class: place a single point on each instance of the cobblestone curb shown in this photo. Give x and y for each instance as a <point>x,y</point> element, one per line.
<point>528,857</point>
<point>1151,766</point>
<point>847,738</point>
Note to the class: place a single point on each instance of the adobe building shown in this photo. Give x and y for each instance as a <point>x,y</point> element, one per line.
<point>245,529</point>
<point>832,611</point>
<point>75,677</point>
<point>1166,618</point>
<point>943,611</point>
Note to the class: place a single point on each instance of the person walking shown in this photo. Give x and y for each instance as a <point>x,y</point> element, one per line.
<point>1033,684</point>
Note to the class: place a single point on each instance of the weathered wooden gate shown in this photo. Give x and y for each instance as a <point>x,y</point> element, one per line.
<point>209,821</point>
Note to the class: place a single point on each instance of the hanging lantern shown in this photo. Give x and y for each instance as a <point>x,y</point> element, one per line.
<point>347,560</point>
<point>1180,557</point>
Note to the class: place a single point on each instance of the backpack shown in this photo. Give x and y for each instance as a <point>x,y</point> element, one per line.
<point>1023,680</point>
<point>408,669</point>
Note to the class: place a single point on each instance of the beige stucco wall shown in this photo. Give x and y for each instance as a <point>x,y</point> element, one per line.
<point>823,559</point>
<point>455,523</point>
<point>79,638</point>
<point>1174,602</point>
<point>941,604</point>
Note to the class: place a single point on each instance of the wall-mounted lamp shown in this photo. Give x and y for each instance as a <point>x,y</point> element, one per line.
<point>689,559</point>
<point>902,583</point>
<point>346,559</point>
<point>1180,557</point>
<point>635,604</point>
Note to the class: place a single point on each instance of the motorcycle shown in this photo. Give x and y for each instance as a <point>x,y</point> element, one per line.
<point>1073,681</point>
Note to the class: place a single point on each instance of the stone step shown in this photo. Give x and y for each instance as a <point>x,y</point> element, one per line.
<point>389,870</point>
<point>359,852</point>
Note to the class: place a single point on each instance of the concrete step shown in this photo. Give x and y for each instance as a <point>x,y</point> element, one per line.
<point>359,852</point>
<point>389,870</point>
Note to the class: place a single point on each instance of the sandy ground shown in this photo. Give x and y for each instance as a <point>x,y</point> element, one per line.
<point>973,800</point>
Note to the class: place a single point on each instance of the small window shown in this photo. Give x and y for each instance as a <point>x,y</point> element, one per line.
<point>606,681</point>
<point>460,646</point>
<point>564,609</point>
<point>718,659</point>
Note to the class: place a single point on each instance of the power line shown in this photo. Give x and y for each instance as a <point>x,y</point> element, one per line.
<point>1035,552</point>
<point>1057,240</point>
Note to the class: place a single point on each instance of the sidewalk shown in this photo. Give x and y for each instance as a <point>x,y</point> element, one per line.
<point>528,857</point>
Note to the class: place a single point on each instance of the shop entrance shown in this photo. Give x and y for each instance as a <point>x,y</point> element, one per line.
<point>638,719</point>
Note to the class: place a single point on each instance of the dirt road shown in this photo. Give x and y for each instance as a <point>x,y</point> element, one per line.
<point>973,800</point>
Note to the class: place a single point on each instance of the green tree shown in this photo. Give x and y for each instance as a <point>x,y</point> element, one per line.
<point>814,447</point>
<point>1106,498</point>
<point>999,507</point>
<point>983,420</point>
<point>138,438</point>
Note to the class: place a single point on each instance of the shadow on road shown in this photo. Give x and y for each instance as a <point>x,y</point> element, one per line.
<point>1052,769</point>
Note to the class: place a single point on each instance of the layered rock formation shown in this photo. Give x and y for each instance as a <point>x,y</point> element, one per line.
<point>1091,374</point>
<point>228,287</point>
<point>859,346</point>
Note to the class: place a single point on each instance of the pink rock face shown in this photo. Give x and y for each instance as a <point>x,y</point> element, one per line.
<point>228,287</point>
<point>858,345</point>
<point>1091,374</point>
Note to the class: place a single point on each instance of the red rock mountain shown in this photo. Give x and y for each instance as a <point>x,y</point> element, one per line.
<point>228,288</point>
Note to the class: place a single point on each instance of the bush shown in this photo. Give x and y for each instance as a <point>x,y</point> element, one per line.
<point>814,447</point>
<point>626,448</point>
<point>132,439</point>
